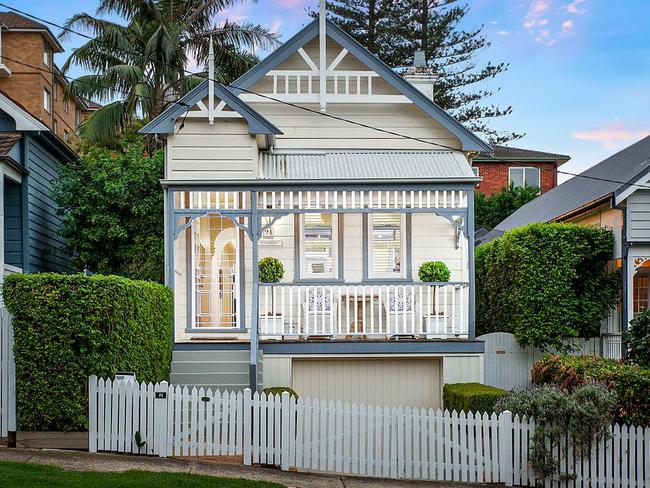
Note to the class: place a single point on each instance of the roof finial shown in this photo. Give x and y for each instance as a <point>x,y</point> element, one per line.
<point>211,83</point>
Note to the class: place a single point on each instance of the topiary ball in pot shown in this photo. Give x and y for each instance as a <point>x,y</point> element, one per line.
<point>271,270</point>
<point>433,272</point>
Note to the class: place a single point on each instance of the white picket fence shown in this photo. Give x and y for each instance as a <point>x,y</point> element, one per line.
<point>7,375</point>
<point>320,435</point>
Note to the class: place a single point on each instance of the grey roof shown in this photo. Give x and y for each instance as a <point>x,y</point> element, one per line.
<point>366,165</point>
<point>606,179</point>
<point>164,123</point>
<point>517,153</point>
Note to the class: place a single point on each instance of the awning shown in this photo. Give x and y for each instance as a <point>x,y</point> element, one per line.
<point>366,165</point>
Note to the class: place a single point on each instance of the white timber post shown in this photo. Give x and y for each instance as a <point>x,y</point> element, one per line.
<point>286,426</point>
<point>505,447</point>
<point>248,427</point>
<point>211,83</point>
<point>322,61</point>
<point>160,419</point>
<point>92,413</point>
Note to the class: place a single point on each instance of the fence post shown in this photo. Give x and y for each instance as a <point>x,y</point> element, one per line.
<point>286,425</point>
<point>11,387</point>
<point>505,448</point>
<point>160,418</point>
<point>248,428</point>
<point>92,413</point>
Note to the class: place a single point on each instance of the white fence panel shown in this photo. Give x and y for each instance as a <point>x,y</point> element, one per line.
<point>7,375</point>
<point>320,435</point>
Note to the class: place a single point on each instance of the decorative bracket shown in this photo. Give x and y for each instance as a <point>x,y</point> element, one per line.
<point>638,262</point>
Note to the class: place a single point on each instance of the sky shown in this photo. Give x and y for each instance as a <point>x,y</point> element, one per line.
<point>579,75</point>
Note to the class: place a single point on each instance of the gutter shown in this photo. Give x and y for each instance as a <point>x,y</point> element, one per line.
<point>339,181</point>
<point>584,208</point>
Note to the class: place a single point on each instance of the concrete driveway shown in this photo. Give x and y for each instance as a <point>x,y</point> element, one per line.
<point>83,461</point>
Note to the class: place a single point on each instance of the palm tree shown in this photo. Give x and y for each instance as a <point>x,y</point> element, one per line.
<point>140,66</point>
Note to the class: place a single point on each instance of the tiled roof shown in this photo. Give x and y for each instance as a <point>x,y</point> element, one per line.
<point>7,141</point>
<point>16,21</point>
<point>90,104</point>
<point>365,165</point>
<point>506,152</point>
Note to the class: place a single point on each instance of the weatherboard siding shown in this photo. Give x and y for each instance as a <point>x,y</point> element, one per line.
<point>45,243</point>
<point>638,216</point>
<point>221,151</point>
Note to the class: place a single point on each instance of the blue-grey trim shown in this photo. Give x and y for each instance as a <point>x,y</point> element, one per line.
<point>469,141</point>
<point>408,251</point>
<point>189,274</point>
<point>254,228</point>
<point>242,277</point>
<point>170,236</point>
<point>448,346</point>
<point>297,243</point>
<point>470,264</point>
<point>166,121</point>
<point>210,330</point>
<point>348,185</point>
<point>443,212</point>
<point>296,247</point>
<point>340,222</point>
<point>25,199</point>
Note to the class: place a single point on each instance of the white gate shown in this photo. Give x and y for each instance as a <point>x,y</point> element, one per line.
<point>320,435</point>
<point>7,375</point>
<point>507,365</point>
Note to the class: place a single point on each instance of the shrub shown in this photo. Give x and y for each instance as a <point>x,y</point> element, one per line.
<point>67,327</point>
<point>546,284</point>
<point>586,414</point>
<point>490,210</point>
<point>630,382</point>
<point>433,271</point>
<point>637,340</point>
<point>279,390</point>
<point>471,397</point>
<point>271,270</point>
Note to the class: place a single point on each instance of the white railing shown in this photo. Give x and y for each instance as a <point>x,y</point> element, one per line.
<point>363,440</point>
<point>299,82</point>
<point>430,310</point>
<point>612,346</point>
<point>7,375</point>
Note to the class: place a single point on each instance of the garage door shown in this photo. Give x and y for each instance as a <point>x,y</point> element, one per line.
<point>389,382</point>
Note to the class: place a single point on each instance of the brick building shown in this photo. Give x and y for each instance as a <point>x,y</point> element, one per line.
<point>29,76</point>
<point>518,166</point>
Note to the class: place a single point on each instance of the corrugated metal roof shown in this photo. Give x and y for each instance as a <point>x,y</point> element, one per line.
<point>606,178</point>
<point>368,165</point>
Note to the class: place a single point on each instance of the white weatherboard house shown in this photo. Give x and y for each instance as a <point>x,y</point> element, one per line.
<point>351,212</point>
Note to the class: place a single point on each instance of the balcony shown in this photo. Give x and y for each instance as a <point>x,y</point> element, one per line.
<point>363,311</point>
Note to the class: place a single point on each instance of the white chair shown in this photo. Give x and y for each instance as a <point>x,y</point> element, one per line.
<point>401,312</point>
<point>318,312</point>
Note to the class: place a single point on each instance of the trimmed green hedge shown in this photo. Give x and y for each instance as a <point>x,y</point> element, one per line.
<point>630,382</point>
<point>471,397</point>
<point>279,390</point>
<point>546,284</point>
<point>67,327</point>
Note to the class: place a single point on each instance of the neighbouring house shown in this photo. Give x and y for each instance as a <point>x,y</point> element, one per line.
<point>614,194</point>
<point>30,157</point>
<point>506,165</point>
<point>29,75</point>
<point>350,212</point>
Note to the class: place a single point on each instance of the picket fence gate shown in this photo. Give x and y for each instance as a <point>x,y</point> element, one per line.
<point>327,436</point>
<point>7,375</point>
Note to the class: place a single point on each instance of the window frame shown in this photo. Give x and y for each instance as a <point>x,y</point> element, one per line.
<point>476,170</point>
<point>337,249</point>
<point>405,273</point>
<point>47,100</point>
<point>47,56</point>
<point>524,169</point>
<point>65,104</point>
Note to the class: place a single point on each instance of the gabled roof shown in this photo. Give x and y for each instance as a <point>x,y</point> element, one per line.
<point>164,123</point>
<point>605,181</point>
<point>469,141</point>
<point>366,165</point>
<point>13,21</point>
<point>519,154</point>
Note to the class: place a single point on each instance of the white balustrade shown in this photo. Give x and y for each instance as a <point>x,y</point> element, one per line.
<point>612,346</point>
<point>362,310</point>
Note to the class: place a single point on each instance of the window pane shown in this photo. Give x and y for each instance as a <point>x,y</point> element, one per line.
<point>215,272</point>
<point>532,177</point>
<point>517,176</point>
<point>386,244</point>
<point>318,238</point>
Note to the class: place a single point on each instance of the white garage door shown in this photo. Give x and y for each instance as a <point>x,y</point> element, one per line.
<point>389,382</point>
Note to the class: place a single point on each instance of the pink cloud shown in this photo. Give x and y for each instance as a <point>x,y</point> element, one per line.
<point>538,7</point>
<point>567,24</point>
<point>290,3</point>
<point>612,135</point>
<point>574,7</point>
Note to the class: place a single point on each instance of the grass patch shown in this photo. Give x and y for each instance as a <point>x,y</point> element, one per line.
<point>36,476</point>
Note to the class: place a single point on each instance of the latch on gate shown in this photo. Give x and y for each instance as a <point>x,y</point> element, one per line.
<point>161,395</point>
